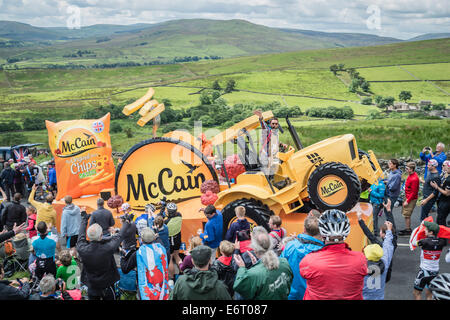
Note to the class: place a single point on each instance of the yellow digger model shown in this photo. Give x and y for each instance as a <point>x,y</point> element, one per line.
<point>329,174</point>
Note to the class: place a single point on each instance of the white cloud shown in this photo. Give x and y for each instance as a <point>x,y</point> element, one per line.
<point>399,18</point>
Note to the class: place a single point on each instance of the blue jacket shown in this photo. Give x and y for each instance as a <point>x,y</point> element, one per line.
<point>235,227</point>
<point>52,176</point>
<point>213,231</point>
<point>70,220</point>
<point>440,158</point>
<point>294,252</point>
<point>394,184</point>
<point>377,193</point>
<point>163,234</point>
<point>374,285</point>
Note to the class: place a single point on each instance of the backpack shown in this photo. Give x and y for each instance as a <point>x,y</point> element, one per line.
<point>9,248</point>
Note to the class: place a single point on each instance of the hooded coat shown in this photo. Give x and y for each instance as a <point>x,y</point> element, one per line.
<point>394,184</point>
<point>260,283</point>
<point>199,285</point>
<point>45,211</point>
<point>235,227</point>
<point>70,220</point>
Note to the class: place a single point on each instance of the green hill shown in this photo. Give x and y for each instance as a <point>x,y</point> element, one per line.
<point>163,42</point>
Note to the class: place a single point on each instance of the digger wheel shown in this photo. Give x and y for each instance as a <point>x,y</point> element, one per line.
<point>256,213</point>
<point>334,185</point>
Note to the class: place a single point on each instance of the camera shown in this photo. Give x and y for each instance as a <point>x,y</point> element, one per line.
<point>127,217</point>
<point>59,285</point>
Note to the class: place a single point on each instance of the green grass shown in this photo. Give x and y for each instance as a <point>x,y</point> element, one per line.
<point>385,73</point>
<point>435,71</point>
<point>387,137</point>
<point>419,91</point>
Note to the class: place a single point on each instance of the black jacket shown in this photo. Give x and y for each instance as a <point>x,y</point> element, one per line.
<point>14,213</point>
<point>7,235</point>
<point>104,218</point>
<point>226,273</point>
<point>10,293</point>
<point>99,267</point>
<point>7,176</point>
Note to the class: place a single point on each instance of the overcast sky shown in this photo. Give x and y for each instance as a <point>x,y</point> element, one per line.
<point>396,18</point>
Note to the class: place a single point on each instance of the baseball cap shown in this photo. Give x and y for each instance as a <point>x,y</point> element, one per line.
<point>201,255</point>
<point>373,252</point>
<point>433,227</point>
<point>148,235</point>
<point>433,162</point>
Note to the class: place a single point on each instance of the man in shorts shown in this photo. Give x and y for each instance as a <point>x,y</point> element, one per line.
<point>411,195</point>
<point>429,259</point>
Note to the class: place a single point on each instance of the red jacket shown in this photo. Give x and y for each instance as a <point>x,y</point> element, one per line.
<point>32,226</point>
<point>334,272</point>
<point>412,187</point>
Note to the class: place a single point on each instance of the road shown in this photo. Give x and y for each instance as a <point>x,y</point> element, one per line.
<point>406,262</point>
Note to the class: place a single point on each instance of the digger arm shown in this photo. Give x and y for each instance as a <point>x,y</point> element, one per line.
<point>233,132</point>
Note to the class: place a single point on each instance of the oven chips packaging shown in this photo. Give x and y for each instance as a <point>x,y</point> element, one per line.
<point>83,156</point>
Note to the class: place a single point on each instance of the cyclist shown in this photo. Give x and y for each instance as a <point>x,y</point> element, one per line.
<point>334,272</point>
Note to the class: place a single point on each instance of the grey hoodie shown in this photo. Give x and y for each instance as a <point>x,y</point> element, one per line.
<point>70,220</point>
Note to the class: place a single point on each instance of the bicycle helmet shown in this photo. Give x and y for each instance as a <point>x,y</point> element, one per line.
<point>150,207</point>
<point>171,207</point>
<point>334,223</point>
<point>125,206</point>
<point>440,286</point>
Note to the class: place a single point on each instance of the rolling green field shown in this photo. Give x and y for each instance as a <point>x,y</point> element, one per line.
<point>387,137</point>
<point>419,91</point>
<point>292,79</point>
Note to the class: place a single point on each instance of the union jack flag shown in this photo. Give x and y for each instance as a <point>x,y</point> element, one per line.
<point>20,154</point>
<point>98,126</point>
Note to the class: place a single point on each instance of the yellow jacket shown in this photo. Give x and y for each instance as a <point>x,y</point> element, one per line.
<point>45,211</point>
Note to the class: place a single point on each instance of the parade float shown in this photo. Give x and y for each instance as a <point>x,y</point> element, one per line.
<point>194,171</point>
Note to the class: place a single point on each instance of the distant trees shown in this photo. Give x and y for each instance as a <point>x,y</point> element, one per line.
<point>404,95</point>
<point>345,112</point>
<point>337,67</point>
<point>366,101</point>
<point>384,102</point>
<point>9,126</point>
<point>33,123</point>
<point>231,84</point>
<point>216,85</point>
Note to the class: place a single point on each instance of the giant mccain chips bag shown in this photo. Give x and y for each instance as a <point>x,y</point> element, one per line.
<point>83,156</point>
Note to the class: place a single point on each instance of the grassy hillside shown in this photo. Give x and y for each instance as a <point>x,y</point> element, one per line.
<point>298,78</point>
<point>161,42</point>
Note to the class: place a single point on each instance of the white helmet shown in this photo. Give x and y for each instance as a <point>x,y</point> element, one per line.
<point>172,207</point>
<point>334,223</point>
<point>150,207</point>
<point>125,206</point>
<point>440,286</point>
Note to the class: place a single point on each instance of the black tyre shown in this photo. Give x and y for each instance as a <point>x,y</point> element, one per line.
<point>334,185</point>
<point>256,213</point>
